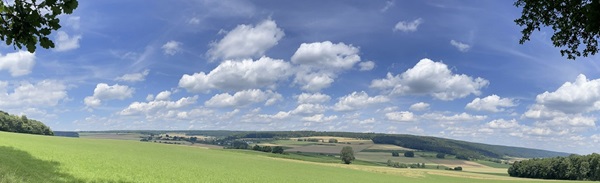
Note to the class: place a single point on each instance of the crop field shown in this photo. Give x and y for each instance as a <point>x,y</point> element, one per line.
<point>455,162</point>
<point>33,158</point>
<point>493,164</point>
<point>293,143</point>
<point>115,136</point>
<point>388,147</point>
<point>327,148</point>
<point>383,157</point>
<point>340,139</point>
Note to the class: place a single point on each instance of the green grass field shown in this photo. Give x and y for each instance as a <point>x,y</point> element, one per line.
<point>493,164</point>
<point>32,158</point>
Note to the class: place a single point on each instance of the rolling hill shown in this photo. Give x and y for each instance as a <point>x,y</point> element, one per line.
<point>467,149</point>
<point>36,158</point>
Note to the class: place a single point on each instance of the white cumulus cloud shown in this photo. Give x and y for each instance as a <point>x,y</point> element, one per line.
<point>319,118</point>
<point>503,124</point>
<point>172,47</point>
<point>492,103</point>
<point>164,95</point>
<point>319,63</point>
<point>421,106</point>
<point>134,77</point>
<point>156,108</point>
<point>462,117</point>
<point>45,93</point>
<point>104,91</point>
<point>64,42</point>
<point>366,66</point>
<point>238,75</point>
<point>357,100</point>
<point>313,98</point>
<point>247,41</point>
<point>431,78</point>
<point>243,98</point>
<point>583,95</point>
<point>401,116</point>
<point>309,109</point>
<point>568,110</point>
<point>18,63</point>
<point>326,55</point>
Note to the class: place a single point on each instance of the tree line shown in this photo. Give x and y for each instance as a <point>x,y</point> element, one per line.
<point>21,124</point>
<point>574,167</point>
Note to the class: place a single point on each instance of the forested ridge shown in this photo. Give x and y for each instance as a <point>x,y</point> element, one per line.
<point>574,167</point>
<point>21,124</point>
<point>462,149</point>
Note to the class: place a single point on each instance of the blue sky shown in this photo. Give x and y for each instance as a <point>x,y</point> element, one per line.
<point>439,68</point>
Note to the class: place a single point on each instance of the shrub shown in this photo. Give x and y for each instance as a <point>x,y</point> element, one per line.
<point>267,149</point>
<point>440,155</point>
<point>409,154</point>
<point>277,150</point>
<point>395,154</point>
<point>462,156</point>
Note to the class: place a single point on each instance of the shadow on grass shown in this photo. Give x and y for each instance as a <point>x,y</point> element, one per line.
<point>20,166</point>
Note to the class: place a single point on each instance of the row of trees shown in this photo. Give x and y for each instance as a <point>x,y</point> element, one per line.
<point>276,149</point>
<point>574,167</point>
<point>408,154</point>
<point>403,165</point>
<point>21,124</point>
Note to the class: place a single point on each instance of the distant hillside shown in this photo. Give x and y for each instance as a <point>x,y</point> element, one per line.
<point>462,148</point>
<point>448,146</point>
<point>435,144</point>
<point>21,124</point>
<point>66,134</point>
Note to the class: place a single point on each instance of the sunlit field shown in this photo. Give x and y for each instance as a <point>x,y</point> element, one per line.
<point>33,158</point>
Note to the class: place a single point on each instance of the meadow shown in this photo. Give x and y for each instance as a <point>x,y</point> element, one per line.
<point>34,158</point>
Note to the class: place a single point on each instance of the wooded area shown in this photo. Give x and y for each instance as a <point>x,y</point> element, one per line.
<point>21,124</point>
<point>574,167</point>
<point>461,149</point>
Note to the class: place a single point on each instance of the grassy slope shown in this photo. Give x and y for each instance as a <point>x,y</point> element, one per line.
<point>31,158</point>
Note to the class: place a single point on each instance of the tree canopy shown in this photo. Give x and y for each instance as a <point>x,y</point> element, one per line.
<point>575,23</point>
<point>347,154</point>
<point>21,124</point>
<point>29,22</point>
<point>574,167</point>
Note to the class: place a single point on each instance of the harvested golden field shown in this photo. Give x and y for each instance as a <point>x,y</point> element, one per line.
<point>327,148</point>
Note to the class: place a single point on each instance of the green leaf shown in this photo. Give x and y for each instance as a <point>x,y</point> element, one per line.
<point>31,47</point>
<point>45,31</point>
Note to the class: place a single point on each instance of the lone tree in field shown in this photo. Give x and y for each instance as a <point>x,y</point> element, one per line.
<point>29,22</point>
<point>409,154</point>
<point>575,22</point>
<point>347,154</point>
